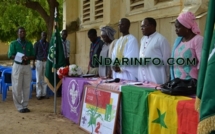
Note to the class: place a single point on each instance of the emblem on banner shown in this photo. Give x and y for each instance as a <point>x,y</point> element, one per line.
<point>73,96</point>
<point>212,53</point>
<point>51,54</point>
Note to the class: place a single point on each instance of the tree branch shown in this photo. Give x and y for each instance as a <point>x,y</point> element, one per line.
<point>52,5</point>
<point>37,7</point>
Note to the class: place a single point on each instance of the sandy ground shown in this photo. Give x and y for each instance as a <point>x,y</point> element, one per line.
<point>5,62</point>
<point>41,119</point>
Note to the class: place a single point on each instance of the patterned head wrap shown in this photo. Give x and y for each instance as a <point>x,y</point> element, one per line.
<point>109,31</point>
<point>187,19</point>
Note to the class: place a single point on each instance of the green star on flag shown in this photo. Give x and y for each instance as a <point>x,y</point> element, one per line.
<point>163,117</point>
<point>160,119</point>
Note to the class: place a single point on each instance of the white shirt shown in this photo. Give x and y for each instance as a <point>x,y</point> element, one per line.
<point>154,46</point>
<point>131,50</point>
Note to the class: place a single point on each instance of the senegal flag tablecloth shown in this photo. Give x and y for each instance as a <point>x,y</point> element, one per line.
<point>134,110</point>
<point>146,111</point>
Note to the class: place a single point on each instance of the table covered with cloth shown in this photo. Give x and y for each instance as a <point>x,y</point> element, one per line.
<point>144,110</point>
<point>148,111</point>
<point>72,92</point>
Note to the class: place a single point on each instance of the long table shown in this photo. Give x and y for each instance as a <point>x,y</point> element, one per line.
<point>147,111</point>
<point>143,110</point>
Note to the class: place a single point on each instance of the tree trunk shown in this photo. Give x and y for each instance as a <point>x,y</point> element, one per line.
<point>50,29</point>
<point>49,19</point>
<point>50,25</point>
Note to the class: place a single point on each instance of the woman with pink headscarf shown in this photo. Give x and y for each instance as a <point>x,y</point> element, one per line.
<point>187,46</point>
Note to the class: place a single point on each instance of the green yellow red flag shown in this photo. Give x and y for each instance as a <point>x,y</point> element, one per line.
<point>163,117</point>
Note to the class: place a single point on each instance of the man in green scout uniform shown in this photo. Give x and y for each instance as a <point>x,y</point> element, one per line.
<point>21,51</point>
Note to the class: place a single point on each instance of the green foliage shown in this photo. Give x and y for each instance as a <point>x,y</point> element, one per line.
<point>14,15</point>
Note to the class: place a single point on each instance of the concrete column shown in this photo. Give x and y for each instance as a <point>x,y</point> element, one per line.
<point>70,23</point>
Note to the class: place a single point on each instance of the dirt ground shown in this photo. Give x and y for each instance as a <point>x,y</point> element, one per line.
<point>41,119</point>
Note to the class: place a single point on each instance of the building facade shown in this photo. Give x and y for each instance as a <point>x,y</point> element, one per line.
<point>3,51</point>
<point>81,15</point>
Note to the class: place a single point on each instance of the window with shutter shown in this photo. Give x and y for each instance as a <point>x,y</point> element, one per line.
<point>159,1</point>
<point>86,10</point>
<point>136,4</point>
<point>98,9</point>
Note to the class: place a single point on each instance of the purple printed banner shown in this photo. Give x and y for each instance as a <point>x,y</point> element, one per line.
<point>72,90</point>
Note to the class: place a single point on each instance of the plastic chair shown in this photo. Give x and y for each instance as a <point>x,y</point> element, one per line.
<point>2,68</point>
<point>33,82</point>
<point>0,86</point>
<point>6,82</point>
<point>49,92</point>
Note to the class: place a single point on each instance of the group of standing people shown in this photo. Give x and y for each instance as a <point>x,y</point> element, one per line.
<point>153,45</point>
<point>21,69</point>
